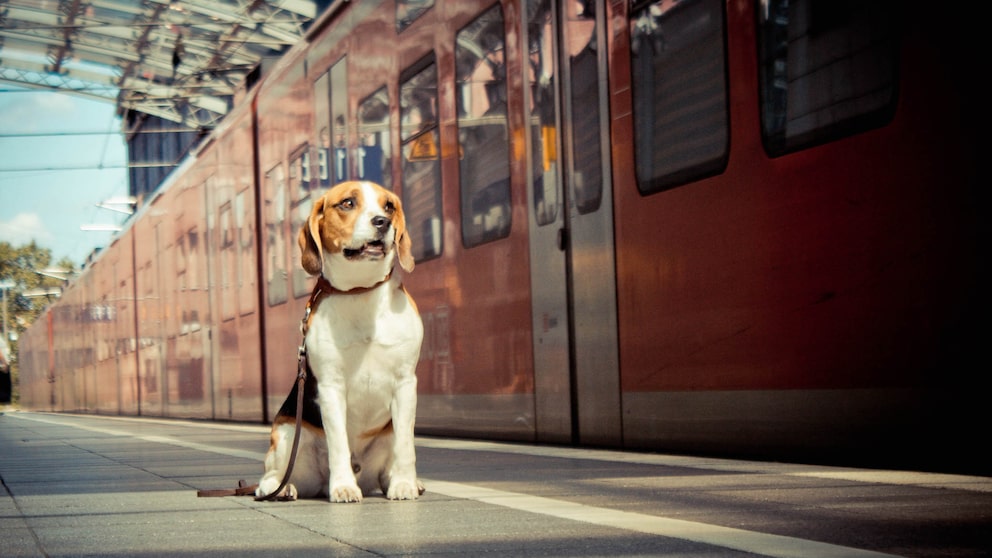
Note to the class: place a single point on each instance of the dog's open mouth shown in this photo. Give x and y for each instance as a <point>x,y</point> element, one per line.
<point>372,250</point>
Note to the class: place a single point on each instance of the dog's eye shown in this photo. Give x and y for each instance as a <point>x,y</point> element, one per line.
<point>390,208</point>
<point>347,204</point>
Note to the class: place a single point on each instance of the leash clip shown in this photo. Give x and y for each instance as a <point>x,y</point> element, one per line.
<point>301,363</point>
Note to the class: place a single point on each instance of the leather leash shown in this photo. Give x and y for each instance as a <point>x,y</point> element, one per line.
<point>301,378</point>
<point>323,287</point>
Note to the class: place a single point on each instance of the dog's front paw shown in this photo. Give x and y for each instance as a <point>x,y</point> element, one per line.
<point>346,493</point>
<point>288,494</point>
<point>401,489</point>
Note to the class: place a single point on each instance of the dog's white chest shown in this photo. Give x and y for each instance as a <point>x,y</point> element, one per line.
<point>353,336</point>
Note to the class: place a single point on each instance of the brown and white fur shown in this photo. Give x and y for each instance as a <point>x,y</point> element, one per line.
<point>363,342</point>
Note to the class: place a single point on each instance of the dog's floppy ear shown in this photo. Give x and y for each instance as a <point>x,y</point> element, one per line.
<point>405,249</point>
<point>311,249</point>
<point>404,246</point>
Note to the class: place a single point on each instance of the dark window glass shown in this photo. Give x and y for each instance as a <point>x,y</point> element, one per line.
<point>679,88</point>
<point>827,69</point>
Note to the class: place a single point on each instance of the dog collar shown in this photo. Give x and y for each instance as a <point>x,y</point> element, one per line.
<point>325,286</point>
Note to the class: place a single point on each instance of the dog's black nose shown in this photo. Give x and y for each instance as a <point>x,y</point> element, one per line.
<point>380,223</point>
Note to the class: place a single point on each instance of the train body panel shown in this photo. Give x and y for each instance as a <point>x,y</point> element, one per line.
<point>809,301</point>
<point>747,228</point>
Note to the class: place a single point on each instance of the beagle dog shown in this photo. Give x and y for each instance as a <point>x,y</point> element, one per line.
<point>362,342</point>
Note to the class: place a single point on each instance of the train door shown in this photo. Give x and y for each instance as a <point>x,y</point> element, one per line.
<point>577,384</point>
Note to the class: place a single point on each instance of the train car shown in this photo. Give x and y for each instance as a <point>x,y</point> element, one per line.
<point>737,227</point>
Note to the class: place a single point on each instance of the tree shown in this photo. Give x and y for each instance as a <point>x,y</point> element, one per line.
<point>29,268</point>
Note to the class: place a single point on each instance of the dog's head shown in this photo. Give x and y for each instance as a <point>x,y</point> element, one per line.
<point>355,232</point>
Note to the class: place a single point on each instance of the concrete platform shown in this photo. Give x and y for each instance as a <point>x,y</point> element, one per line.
<point>100,486</point>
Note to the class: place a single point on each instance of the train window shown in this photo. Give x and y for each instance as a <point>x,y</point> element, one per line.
<point>374,155</point>
<point>196,279</point>
<point>228,261</point>
<point>198,283</point>
<point>827,69</point>
<point>543,130</point>
<point>421,160</point>
<point>302,202</point>
<point>339,124</point>
<point>243,222</point>
<point>276,238</point>
<point>181,259</point>
<point>484,162</point>
<point>181,284</point>
<point>322,116</point>
<point>582,42</point>
<point>407,11</point>
<point>418,99</point>
<point>679,89</point>
<point>299,173</point>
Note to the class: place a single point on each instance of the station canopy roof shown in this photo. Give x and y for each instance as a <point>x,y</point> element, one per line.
<point>180,60</point>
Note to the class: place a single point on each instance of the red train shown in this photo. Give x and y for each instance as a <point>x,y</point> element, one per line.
<point>709,226</point>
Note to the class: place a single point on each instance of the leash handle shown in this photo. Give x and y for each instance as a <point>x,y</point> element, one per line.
<point>243,489</point>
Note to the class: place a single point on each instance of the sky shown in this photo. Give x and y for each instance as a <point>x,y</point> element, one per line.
<point>43,135</point>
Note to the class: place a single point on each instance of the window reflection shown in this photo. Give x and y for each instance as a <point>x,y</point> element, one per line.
<point>275,237</point>
<point>339,113</point>
<point>418,100</point>
<point>542,124</point>
<point>373,155</point>
<point>244,222</point>
<point>587,175</point>
<point>302,202</point>
<point>197,282</point>
<point>228,261</point>
<point>421,158</point>
<point>322,115</point>
<point>407,11</point>
<point>484,166</point>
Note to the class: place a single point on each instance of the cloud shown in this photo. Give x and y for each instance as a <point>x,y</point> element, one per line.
<point>63,104</point>
<point>24,228</point>
<point>20,113</point>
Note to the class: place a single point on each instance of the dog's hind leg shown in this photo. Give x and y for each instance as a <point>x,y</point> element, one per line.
<point>309,475</point>
<point>276,462</point>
